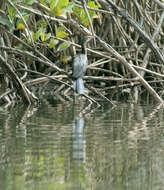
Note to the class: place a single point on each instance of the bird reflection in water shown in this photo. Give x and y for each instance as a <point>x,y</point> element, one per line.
<point>78,140</point>
<point>78,155</point>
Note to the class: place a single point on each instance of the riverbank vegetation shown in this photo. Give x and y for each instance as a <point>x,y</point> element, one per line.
<point>38,40</point>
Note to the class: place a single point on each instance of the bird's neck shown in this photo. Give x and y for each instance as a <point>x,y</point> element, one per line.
<point>83,49</point>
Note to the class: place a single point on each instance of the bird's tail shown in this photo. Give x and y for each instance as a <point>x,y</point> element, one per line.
<point>79,86</point>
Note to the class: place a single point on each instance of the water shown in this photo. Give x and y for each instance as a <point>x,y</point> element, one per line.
<point>54,147</point>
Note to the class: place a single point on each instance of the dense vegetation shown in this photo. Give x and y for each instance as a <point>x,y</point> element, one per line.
<point>39,38</point>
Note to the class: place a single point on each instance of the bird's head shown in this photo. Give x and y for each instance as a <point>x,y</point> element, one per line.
<point>84,41</point>
<point>87,39</point>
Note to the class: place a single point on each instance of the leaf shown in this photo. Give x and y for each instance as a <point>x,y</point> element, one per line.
<point>53,3</point>
<point>30,2</point>
<point>63,46</point>
<point>77,11</point>
<point>42,36</point>
<point>47,36</point>
<point>61,34</point>
<point>25,15</point>
<point>53,43</point>
<point>56,11</point>
<point>62,3</point>
<point>69,7</point>
<point>11,10</point>
<point>81,15</point>
<point>37,34</point>
<point>41,23</point>
<point>58,7</point>
<point>5,21</point>
<point>65,59</point>
<point>17,1</point>
<point>20,26</point>
<point>43,3</point>
<point>92,4</point>
<point>92,13</point>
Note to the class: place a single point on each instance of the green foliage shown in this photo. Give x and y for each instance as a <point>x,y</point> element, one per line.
<point>63,46</point>
<point>43,3</point>
<point>30,2</point>
<point>38,33</point>
<point>15,19</point>
<point>11,11</point>
<point>11,17</point>
<point>59,7</point>
<point>39,29</point>
<point>58,3</point>
<point>65,59</point>
<point>41,23</point>
<point>69,7</point>
<point>17,1</point>
<point>5,22</point>
<point>42,36</point>
<point>52,43</point>
<point>60,33</point>
<point>47,36</point>
<point>81,15</point>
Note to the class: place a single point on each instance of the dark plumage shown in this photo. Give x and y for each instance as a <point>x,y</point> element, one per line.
<point>79,67</point>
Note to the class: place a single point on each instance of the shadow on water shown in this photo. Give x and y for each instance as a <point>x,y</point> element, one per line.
<point>55,146</point>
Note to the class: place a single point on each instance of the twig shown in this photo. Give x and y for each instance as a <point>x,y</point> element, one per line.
<point>131,69</point>
<point>29,33</point>
<point>89,18</point>
<point>140,30</point>
<point>101,95</point>
<point>59,81</point>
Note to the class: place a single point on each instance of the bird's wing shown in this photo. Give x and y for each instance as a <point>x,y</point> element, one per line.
<point>85,63</point>
<point>79,66</point>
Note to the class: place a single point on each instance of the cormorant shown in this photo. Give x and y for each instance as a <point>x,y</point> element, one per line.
<point>79,67</point>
